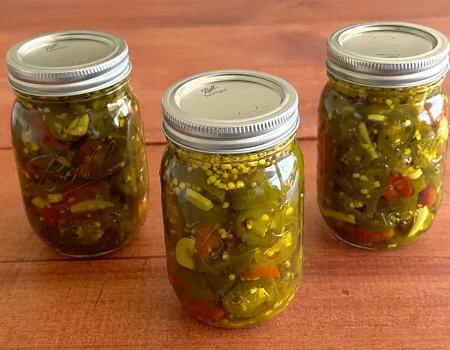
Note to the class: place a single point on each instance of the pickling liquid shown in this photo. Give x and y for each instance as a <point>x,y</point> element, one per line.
<point>82,168</point>
<point>233,228</point>
<point>381,161</point>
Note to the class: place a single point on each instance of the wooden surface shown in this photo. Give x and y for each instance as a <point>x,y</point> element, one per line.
<point>349,298</point>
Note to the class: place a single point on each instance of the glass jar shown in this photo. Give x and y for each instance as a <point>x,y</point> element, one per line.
<point>383,133</point>
<point>232,181</point>
<point>78,140</point>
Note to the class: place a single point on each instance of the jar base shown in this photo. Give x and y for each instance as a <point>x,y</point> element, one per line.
<point>387,246</point>
<point>229,324</point>
<point>86,256</point>
<point>240,323</point>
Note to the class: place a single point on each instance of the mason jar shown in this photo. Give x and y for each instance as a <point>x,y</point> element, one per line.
<point>78,140</point>
<point>383,133</point>
<point>232,181</point>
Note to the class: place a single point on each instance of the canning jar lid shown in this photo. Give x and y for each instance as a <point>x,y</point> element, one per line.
<point>388,54</point>
<point>230,111</point>
<point>68,63</point>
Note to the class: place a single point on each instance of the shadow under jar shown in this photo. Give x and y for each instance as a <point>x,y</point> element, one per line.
<point>78,140</point>
<point>382,133</point>
<point>232,183</point>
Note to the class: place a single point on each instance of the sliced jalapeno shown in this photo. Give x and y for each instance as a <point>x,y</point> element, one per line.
<point>260,227</point>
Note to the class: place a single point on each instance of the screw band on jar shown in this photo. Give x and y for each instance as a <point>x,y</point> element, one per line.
<point>68,63</point>
<point>256,111</point>
<point>387,54</point>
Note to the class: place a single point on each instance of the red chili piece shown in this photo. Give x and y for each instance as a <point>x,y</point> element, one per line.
<point>372,235</point>
<point>428,196</point>
<point>398,187</point>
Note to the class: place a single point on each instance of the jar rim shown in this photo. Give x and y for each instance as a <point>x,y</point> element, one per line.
<point>67,63</point>
<point>387,54</point>
<point>230,111</point>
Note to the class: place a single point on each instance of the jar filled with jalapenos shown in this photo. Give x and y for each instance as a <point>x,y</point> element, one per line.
<point>78,140</point>
<point>383,133</point>
<point>232,183</point>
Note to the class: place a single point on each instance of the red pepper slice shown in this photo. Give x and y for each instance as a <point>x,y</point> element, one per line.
<point>398,187</point>
<point>51,213</point>
<point>39,127</point>
<point>428,196</point>
<point>372,235</point>
<point>207,239</point>
<point>29,168</point>
<point>205,310</point>
<point>258,271</point>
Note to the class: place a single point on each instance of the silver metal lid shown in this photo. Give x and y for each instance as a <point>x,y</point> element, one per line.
<point>388,54</point>
<point>230,111</point>
<point>68,63</point>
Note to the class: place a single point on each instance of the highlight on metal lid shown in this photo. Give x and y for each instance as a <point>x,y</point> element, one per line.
<point>230,111</point>
<point>388,54</point>
<point>68,63</point>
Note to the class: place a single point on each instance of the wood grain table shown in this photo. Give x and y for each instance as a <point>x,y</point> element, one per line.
<point>349,298</point>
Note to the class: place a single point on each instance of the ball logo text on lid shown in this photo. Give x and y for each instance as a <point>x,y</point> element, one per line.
<point>212,90</point>
<point>54,47</point>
